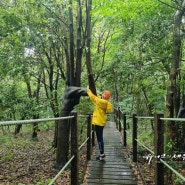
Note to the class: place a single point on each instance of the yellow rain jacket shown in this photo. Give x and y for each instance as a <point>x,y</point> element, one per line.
<point>101,107</point>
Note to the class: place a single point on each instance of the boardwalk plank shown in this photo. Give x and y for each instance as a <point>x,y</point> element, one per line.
<point>115,177</point>
<point>115,169</point>
<point>110,181</point>
<point>113,165</point>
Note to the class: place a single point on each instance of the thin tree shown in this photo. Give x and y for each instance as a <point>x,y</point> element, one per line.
<point>88,46</point>
<point>172,102</point>
<point>172,93</point>
<point>72,92</point>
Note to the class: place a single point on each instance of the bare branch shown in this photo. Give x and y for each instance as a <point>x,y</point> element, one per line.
<point>168,5</point>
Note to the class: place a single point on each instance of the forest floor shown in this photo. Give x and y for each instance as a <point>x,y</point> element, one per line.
<point>23,161</point>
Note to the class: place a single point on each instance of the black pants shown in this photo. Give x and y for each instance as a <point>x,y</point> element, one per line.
<point>99,135</point>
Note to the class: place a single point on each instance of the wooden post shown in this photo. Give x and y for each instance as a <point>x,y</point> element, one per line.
<point>159,148</point>
<point>74,149</point>
<point>115,116</point>
<point>124,130</point>
<point>134,137</point>
<point>89,136</point>
<point>119,119</point>
<point>93,135</point>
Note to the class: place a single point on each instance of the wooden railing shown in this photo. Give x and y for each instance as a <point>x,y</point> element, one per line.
<point>158,152</point>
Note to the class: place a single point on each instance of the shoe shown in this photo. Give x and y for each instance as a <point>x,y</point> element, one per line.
<point>100,157</point>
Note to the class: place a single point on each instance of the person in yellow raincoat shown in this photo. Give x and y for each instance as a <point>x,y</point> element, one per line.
<point>102,106</point>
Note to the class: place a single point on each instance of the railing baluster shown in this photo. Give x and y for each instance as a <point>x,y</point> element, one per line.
<point>159,148</point>
<point>119,119</point>
<point>93,135</point>
<point>124,130</point>
<point>134,137</point>
<point>74,149</point>
<point>89,136</point>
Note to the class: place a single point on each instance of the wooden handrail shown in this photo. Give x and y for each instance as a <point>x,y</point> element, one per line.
<point>158,139</point>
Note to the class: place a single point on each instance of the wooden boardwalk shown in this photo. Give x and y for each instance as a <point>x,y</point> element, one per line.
<point>115,169</point>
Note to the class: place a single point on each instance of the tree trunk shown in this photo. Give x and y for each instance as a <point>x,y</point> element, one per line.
<point>172,91</point>
<point>35,130</point>
<point>180,128</point>
<point>17,129</point>
<point>88,46</point>
<point>71,47</point>
<point>71,98</point>
<point>172,95</point>
<point>72,92</point>
<point>36,116</point>
<point>79,50</point>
